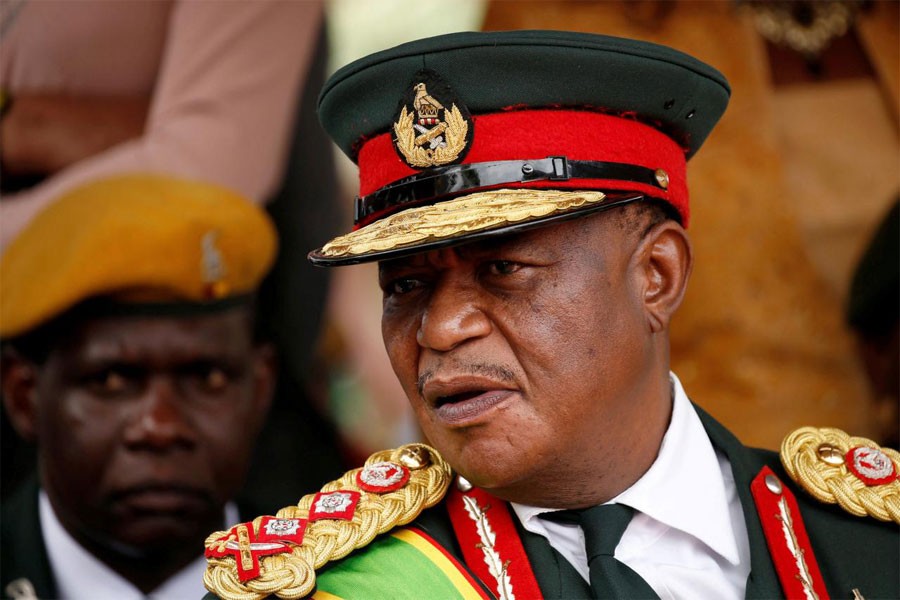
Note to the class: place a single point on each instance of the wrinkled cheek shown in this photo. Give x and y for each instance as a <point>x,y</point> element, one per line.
<point>403,352</point>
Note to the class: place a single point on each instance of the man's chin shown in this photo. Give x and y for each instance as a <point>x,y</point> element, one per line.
<point>489,476</point>
<point>149,535</point>
<point>484,457</point>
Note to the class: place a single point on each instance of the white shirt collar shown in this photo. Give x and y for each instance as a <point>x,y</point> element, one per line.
<point>695,499</point>
<point>683,489</point>
<point>78,574</point>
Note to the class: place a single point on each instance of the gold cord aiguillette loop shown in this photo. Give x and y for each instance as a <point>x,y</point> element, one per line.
<point>816,458</point>
<point>293,575</point>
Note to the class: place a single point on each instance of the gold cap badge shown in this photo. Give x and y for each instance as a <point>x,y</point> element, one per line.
<point>427,133</point>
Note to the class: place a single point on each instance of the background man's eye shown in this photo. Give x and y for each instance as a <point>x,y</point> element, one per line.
<point>110,382</point>
<point>216,379</point>
<point>114,382</point>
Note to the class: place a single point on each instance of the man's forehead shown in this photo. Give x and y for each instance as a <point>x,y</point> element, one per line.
<point>111,336</point>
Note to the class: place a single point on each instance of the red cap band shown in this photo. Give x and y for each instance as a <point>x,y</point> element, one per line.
<point>537,134</point>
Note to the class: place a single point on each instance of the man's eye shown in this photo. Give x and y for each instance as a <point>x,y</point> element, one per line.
<point>216,379</point>
<point>110,382</point>
<point>403,285</point>
<point>212,379</point>
<point>503,267</point>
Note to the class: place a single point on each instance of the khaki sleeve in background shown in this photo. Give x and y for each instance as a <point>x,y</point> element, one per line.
<point>223,85</point>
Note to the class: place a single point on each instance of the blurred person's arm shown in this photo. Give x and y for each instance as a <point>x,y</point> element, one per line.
<point>221,109</point>
<point>43,133</point>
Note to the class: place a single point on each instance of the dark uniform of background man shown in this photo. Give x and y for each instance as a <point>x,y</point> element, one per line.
<point>526,198</point>
<point>130,360</point>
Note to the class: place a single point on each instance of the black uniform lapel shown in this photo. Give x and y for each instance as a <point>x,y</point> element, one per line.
<point>556,577</point>
<point>23,553</point>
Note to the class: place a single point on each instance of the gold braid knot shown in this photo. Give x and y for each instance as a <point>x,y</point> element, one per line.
<point>813,457</point>
<point>293,575</point>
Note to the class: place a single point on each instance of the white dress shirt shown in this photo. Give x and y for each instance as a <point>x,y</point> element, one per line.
<point>80,576</point>
<point>688,538</point>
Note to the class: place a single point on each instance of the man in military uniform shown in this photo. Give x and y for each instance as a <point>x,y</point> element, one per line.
<point>130,360</point>
<point>525,196</point>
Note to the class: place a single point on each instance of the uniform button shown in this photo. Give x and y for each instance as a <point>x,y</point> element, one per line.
<point>462,484</point>
<point>830,454</point>
<point>414,457</point>
<point>662,178</point>
<point>773,484</point>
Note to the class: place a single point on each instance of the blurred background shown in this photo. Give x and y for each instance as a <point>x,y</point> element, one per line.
<point>778,329</point>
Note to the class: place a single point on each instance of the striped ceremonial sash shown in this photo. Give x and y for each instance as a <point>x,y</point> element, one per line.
<point>407,563</point>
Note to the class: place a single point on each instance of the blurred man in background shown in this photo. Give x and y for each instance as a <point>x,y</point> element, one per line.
<point>130,359</point>
<point>218,92</point>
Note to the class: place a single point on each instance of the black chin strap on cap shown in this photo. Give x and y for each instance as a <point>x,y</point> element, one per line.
<point>448,182</point>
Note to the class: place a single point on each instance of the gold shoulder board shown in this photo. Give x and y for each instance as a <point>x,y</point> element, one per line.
<point>280,554</point>
<point>853,472</point>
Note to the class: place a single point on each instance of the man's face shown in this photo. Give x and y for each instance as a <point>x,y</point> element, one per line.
<point>145,425</point>
<point>525,358</point>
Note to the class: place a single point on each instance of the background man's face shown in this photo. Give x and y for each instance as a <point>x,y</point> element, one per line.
<point>522,356</point>
<point>145,425</point>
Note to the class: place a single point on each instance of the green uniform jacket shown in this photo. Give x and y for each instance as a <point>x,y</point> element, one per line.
<point>852,552</point>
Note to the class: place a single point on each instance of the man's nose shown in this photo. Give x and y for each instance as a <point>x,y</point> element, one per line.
<point>160,422</point>
<point>453,316</point>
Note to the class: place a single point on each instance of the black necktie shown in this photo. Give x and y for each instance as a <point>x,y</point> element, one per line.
<point>603,527</point>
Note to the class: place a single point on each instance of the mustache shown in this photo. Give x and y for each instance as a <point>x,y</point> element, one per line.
<point>497,372</point>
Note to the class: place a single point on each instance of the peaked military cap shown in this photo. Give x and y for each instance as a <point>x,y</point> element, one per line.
<point>140,241</point>
<point>468,135</point>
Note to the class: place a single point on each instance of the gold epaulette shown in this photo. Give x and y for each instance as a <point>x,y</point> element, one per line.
<point>853,472</point>
<point>280,554</point>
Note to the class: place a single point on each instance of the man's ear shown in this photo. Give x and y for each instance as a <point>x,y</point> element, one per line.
<point>665,259</point>
<point>18,377</point>
<point>265,369</point>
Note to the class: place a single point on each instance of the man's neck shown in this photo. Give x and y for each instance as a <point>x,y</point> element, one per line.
<point>583,481</point>
<point>146,570</point>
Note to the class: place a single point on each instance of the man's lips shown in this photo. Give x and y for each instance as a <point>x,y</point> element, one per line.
<point>162,498</point>
<point>464,401</point>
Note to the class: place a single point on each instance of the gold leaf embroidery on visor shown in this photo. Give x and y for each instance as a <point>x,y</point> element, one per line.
<point>476,212</point>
